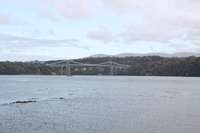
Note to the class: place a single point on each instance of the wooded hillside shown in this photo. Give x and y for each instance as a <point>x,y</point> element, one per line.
<point>152,65</point>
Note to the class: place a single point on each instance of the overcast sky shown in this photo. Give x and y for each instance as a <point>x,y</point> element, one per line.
<point>69,29</point>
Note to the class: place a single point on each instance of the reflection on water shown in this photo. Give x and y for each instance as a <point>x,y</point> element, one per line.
<point>104,104</point>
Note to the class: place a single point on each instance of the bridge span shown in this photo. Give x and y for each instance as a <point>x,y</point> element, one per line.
<point>65,65</point>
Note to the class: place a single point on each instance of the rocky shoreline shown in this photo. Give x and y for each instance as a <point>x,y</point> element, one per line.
<point>28,101</point>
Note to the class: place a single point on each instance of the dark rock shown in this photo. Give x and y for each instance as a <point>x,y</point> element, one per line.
<point>24,101</point>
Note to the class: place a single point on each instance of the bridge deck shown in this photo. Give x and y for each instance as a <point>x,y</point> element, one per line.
<point>92,65</point>
<point>104,64</point>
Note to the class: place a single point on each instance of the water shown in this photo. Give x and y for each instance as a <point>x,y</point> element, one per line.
<point>99,104</point>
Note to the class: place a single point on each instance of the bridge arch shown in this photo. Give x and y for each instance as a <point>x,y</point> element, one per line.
<point>117,70</point>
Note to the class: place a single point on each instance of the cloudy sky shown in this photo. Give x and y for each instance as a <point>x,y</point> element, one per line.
<point>69,29</point>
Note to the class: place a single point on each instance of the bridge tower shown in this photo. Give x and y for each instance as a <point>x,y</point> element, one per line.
<point>111,67</point>
<point>65,68</point>
<point>68,73</point>
<point>61,68</point>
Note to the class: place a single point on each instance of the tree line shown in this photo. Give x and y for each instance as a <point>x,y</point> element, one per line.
<point>147,65</point>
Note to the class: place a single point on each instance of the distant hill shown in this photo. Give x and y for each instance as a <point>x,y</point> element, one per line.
<point>183,54</point>
<point>100,55</point>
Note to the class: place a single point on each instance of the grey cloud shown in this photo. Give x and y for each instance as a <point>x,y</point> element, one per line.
<point>196,43</point>
<point>49,2</point>
<point>179,47</point>
<point>153,7</point>
<point>44,13</point>
<point>7,19</point>
<point>102,34</point>
<point>51,32</point>
<point>4,19</point>
<point>17,43</point>
<point>121,6</point>
<point>29,57</point>
<point>185,48</point>
<point>192,34</point>
<point>170,20</point>
<point>34,32</point>
<point>180,20</point>
<point>186,25</point>
<point>5,37</point>
<point>75,9</point>
<point>162,20</point>
<point>71,9</point>
<point>146,32</point>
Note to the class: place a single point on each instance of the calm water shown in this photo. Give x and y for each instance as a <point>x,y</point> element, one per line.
<point>99,104</point>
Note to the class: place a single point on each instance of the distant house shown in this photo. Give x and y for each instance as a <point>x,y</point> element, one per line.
<point>149,74</point>
<point>84,69</point>
<point>53,73</point>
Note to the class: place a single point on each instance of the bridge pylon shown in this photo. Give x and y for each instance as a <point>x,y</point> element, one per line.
<point>68,72</point>
<point>111,68</point>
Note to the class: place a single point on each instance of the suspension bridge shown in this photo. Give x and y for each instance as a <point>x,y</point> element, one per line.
<point>65,66</point>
